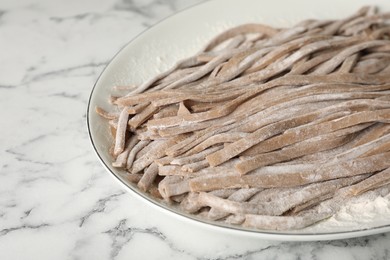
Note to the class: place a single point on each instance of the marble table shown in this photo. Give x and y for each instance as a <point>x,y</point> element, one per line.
<point>56,200</point>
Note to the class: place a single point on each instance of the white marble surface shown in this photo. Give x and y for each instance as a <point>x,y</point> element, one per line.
<point>56,201</point>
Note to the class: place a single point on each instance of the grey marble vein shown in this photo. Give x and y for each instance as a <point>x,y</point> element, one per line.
<point>2,13</point>
<point>27,213</point>
<point>129,5</point>
<point>99,207</point>
<point>150,11</point>
<point>123,234</point>
<point>6,86</point>
<point>20,157</point>
<point>61,72</point>
<point>244,255</point>
<point>6,231</point>
<point>71,17</point>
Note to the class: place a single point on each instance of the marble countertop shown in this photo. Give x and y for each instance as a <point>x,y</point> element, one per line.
<point>56,200</point>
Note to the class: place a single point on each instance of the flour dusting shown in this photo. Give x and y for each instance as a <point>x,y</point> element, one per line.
<point>367,211</point>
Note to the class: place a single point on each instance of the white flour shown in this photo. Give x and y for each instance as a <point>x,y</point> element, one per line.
<point>366,211</point>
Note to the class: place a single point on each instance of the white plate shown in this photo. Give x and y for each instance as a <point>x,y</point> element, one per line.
<point>182,35</point>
